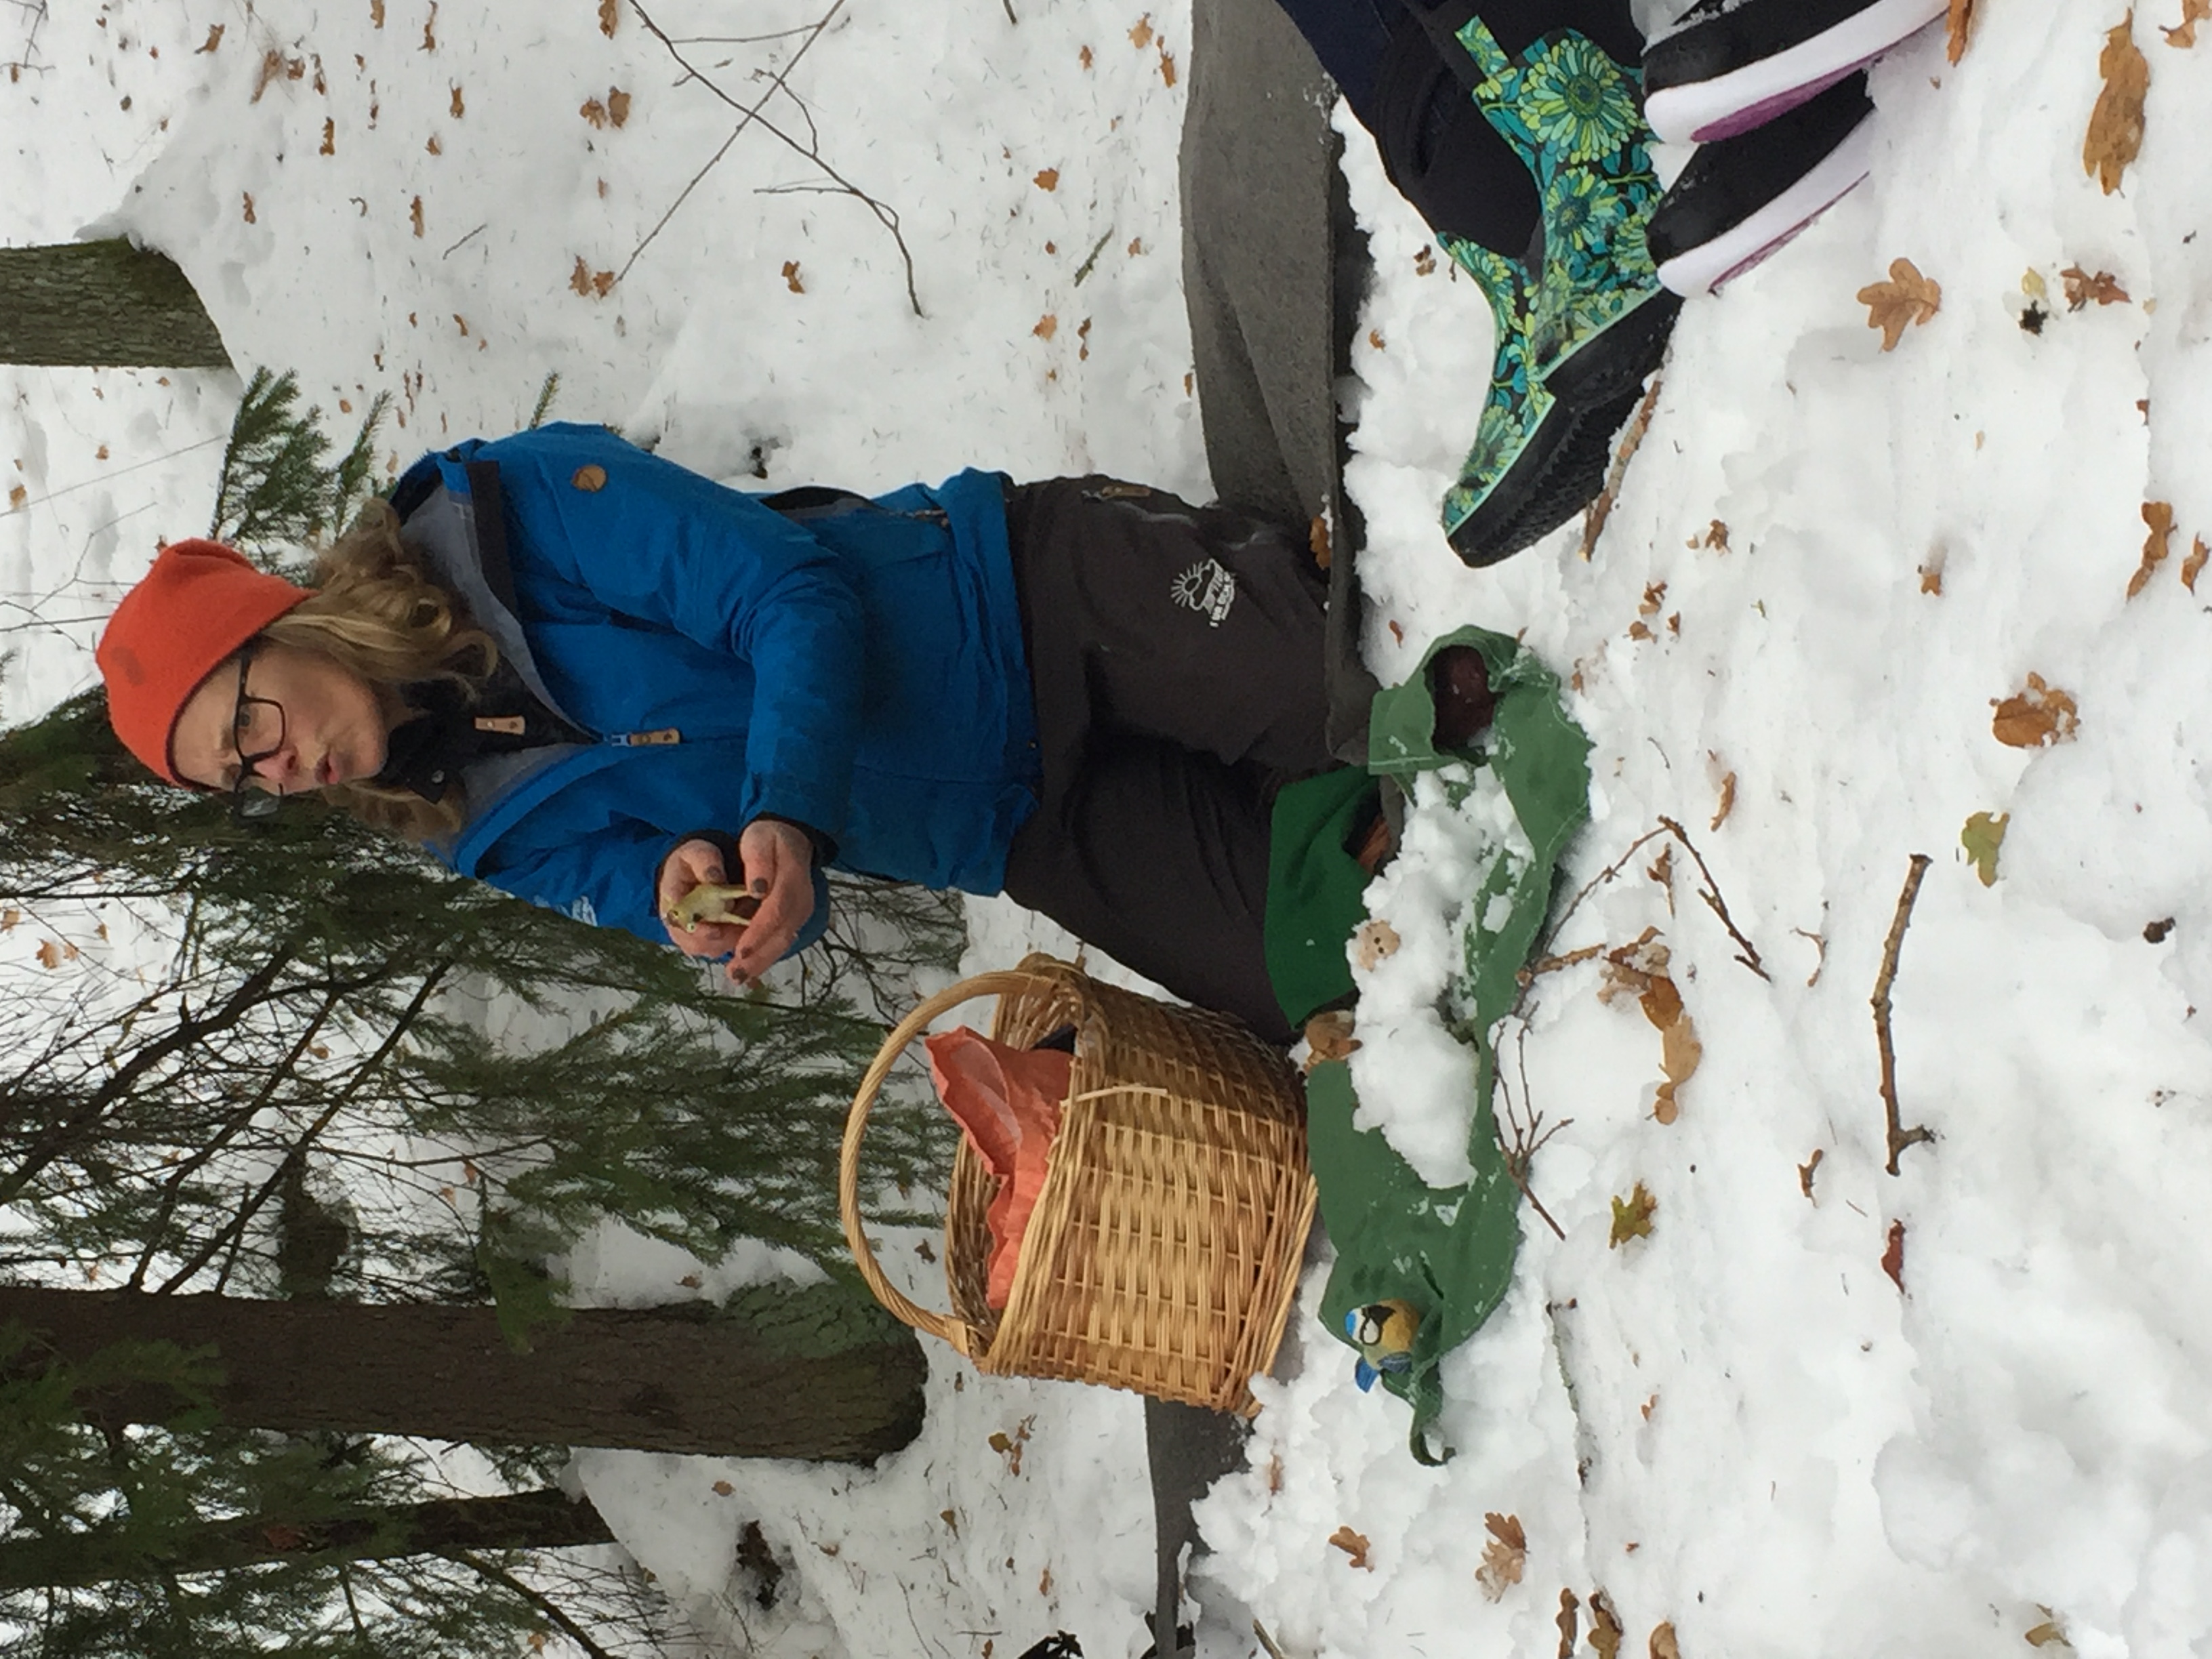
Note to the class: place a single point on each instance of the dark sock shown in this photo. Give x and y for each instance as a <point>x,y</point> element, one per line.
<point>1459,685</point>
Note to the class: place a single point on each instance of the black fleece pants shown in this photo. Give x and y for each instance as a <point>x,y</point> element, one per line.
<point>1176,654</point>
<point>1442,155</point>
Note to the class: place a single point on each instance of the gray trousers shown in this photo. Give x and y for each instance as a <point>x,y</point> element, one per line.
<point>1176,654</point>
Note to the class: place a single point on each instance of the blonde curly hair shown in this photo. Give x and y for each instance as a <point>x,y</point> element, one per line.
<point>377,613</point>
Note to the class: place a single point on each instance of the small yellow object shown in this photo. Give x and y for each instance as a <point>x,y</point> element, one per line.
<point>710,902</point>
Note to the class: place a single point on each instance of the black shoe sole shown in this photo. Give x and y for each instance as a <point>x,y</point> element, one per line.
<point>1618,361</point>
<point>1559,474</point>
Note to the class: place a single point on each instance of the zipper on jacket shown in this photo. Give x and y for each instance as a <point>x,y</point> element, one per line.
<point>665,734</point>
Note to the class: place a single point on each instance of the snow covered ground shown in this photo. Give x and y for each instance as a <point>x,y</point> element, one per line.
<point>1828,562</point>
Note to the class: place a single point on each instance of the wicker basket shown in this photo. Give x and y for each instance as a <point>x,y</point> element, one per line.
<point>1163,1250</point>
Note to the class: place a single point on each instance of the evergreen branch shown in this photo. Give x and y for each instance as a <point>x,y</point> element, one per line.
<point>240,1119</point>
<point>251,994</point>
<point>235,1229</point>
<point>544,1603</point>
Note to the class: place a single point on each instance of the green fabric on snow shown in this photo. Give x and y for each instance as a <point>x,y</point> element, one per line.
<point>1449,1252</point>
<point>1316,891</point>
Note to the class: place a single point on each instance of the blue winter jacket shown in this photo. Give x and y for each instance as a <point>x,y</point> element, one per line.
<point>861,672</point>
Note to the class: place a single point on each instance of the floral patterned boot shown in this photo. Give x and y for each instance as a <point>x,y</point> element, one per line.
<point>1538,459</point>
<point>1599,319</point>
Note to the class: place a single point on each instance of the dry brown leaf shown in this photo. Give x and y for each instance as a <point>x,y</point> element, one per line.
<point>2036,717</point>
<point>2159,516</point>
<point>1047,326</point>
<point>1679,1055</point>
<point>2051,1632</point>
<point>376,14</point>
<point>1605,1625</point>
<point>2081,288</point>
<point>1084,57</point>
<point>1353,1545</point>
<point>430,28</point>
<point>458,104</point>
<point>1167,66</point>
<point>249,209</point>
<point>602,282</point>
<point>1805,1170</point>
<point>415,215</point>
<point>581,278</point>
<point>9,918</point>
<point>2116,125</point>
<point>1317,540</point>
<point>1655,595</point>
<point>434,146</point>
<point>591,478</point>
<point>1044,1582</point>
<point>1728,801</point>
<point>723,1489</point>
<point>1141,36</point>
<point>1905,299</point>
<point>1566,1623</point>
<point>50,954</point>
<point>1640,629</point>
<point>1047,178</point>
<point>609,11</point>
<point>1715,537</point>
<point>791,276</point>
<point>1328,1037</point>
<point>617,106</point>
<point>16,496</point>
<point>330,137</point>
<point>1892,1258</point>
<point>1424,261</point>
<point>1375,339</point>
<point>2184,35</point>
<point>1959,29</point>
<point>1662,1645</point>
<point>594,112</point>
<point>2193,565</point>
<point>1136,245</point>
<point>214,39</point>
<point>1373,942</point>
<point>1931,574</point>
<point>1505,1556</point>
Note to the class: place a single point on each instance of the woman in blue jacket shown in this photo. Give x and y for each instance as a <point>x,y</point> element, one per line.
<point>594,679</point>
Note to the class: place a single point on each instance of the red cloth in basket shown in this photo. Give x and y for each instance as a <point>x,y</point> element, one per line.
<point>1008,1103</point>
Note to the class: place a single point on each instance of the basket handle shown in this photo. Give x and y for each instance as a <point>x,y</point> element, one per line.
<point>943,1327</point>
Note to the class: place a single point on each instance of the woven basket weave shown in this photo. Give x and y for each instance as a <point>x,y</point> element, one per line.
<point>1163,1250</point>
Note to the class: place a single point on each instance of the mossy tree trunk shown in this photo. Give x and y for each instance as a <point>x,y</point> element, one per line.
<point>817,1372</point>
<point>100,305</point>
<point>542,1520</point>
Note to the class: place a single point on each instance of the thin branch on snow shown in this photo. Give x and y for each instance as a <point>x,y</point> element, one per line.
<point>1631,437</point>
<point>1710,892</point>
<point>1899,1136</point>
<point>1522,1137</point>
<point>751,116</point>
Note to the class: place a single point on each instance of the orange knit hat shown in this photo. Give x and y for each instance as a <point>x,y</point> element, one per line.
<point>199,603</point>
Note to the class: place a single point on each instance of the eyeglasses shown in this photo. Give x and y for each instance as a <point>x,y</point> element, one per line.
<point>256,732</point>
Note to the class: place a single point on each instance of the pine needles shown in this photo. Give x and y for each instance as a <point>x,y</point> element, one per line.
<point>277,492</point>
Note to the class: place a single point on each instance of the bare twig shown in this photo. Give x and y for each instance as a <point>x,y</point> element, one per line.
<point>1710,892</point>
<point>1899,1136</point>
<point>1521,1140</point>
<point>1552,965</point>
<point>751,116</point>
<point>1632,436</point>
<point>1097,248</point>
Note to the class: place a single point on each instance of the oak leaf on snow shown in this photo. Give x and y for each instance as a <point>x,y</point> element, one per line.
<point>2036,717</point>
<point>2116,125</point>
<point>1505,1556</point>
<point>1905,299</point>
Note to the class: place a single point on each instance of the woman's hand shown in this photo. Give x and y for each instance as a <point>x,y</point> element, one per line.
<point>779,871</point>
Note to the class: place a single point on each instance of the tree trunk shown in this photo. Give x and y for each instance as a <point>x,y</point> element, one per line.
<point>545,1520</point>
<point>816,1372</point>
<point>102,304</point>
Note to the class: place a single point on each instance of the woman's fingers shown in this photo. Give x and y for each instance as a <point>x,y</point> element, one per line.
<point>690,864</point>
<point>779,861</point>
